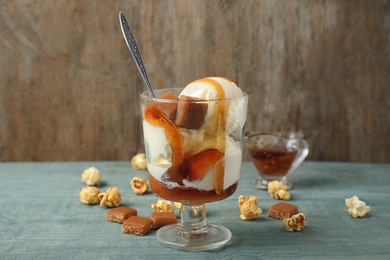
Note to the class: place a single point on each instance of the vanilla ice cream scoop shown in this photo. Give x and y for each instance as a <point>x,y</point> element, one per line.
<point>211,88</point>
<point>208,88</point>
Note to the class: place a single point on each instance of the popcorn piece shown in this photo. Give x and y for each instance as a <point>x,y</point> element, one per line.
<point>91,176</point>
<point>282,194</point>
<point>139,185</point>
<point>89,195</point>
<point>162,206</point>
<point>162,162</point>
<point>278,190</point>
<point>111,198</point>
<point>139,161</point>
<point>178,206</point>
<point>241,200</point>
<point>295,222</point>
<point>357,208</point>
<point>248,207</point>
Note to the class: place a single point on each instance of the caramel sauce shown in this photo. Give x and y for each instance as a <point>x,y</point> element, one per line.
<point>273,161</point>
<point>187,194</point>
<point>154,116</point>
<point>219,170</point>
<point>198,165</point>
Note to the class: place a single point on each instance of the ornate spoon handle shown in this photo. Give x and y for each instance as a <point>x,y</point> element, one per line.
<point>134,49</point>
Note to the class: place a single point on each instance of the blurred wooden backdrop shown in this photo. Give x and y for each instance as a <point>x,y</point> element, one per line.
<point>69,87</point>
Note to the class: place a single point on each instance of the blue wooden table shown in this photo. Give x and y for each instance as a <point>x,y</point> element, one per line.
<point>41,216</point>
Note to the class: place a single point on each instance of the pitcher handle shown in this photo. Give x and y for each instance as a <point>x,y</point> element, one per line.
<point>302,154</point>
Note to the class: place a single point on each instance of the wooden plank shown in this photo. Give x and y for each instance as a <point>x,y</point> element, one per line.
<point>69,89</point>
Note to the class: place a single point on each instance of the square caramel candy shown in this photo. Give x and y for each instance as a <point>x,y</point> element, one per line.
<point>137,225</point>
<point>282,210</point>
<point>190,115</point>
<point>168,108</point>
<point>161,219</point>
<point>120,214</point>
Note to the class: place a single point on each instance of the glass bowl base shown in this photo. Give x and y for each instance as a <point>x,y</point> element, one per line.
<point>262,184</point>
<point>214,238</point>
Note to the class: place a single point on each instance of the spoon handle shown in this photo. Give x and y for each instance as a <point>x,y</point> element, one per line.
<point>134,49</point>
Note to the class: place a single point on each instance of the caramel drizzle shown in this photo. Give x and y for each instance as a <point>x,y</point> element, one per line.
<point>154,116</point>
<point>219,170</point>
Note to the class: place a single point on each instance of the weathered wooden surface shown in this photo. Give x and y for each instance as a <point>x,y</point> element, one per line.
<point>69,87</point>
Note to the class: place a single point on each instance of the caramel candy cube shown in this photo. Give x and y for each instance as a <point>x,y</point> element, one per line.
<point>282,210</point>
<point>161,219</point>
<point>137,225</point>
<point>120,214</point>
<point>190,115</point>
<point>168,108</point>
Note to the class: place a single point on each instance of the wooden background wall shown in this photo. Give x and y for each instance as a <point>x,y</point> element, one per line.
<point>69,89</point>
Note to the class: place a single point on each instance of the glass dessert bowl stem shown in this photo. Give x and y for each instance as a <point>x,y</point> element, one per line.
<point>193,233</point>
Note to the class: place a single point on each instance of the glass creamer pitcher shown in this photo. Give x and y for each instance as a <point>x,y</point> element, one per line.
<point>276,154</point>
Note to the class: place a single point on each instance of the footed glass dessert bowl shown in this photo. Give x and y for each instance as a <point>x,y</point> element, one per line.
<point>193,143</point>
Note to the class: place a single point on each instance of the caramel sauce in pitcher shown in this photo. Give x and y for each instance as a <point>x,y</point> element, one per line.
<point>274,161</point>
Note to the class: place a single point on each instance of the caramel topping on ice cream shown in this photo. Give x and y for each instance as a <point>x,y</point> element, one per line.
<point>219,170</point>
<point>154,116</point>
<point>222,107</point>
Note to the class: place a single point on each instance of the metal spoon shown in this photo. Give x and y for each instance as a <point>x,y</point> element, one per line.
<point>134,49</point>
